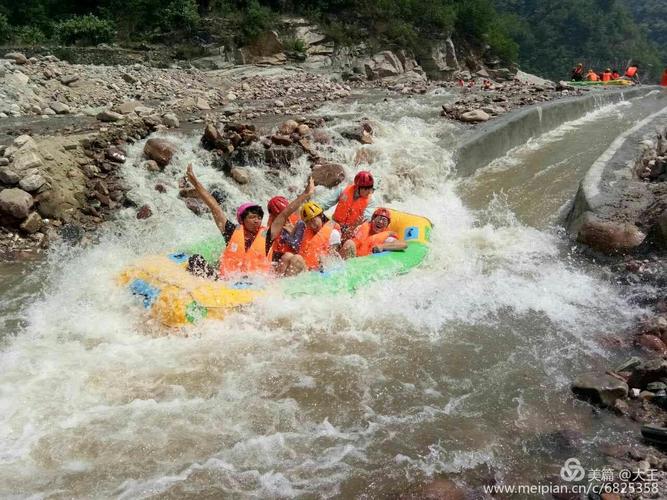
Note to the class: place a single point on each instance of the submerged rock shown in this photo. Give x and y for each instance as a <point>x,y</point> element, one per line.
<point>160,150</point>
<point>609,236</point>
<point>600,389</point>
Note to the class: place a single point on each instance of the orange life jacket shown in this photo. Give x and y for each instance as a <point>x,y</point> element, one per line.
<point>236,259</point>
<point>631,71</point>
<point>606,76</point>
<point>314,245</point>
<point>592,77</point>
<point>349,211</point>
<point>663,82</point>
<point>278,247</point>
<point>365,241</point>
<point>615,75</point>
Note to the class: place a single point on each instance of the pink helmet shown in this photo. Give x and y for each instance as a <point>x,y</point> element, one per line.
<point>242,210</point>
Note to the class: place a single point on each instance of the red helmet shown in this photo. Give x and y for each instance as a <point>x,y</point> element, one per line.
<point>363,179</point>
<point>277,204</point>
<point>382,212</point>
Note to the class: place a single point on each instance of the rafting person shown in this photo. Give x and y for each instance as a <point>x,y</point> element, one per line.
<point>354,203</point>
<point>286,247</point>
<point>373,237</point>
<point>322,236</point>
<point>249,244</point>
<point>615,75</point>
<point>663,81</point>
<point>606,75</point>
<point>592,76</point>
<point>577,74</point>
<point>632,73</point>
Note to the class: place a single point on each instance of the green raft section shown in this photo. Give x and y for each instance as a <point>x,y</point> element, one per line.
<point>600,83</point>
<point>344,276</point>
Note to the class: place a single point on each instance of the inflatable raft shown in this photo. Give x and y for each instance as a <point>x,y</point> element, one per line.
<point>587,83</point>
<point>175,297</point>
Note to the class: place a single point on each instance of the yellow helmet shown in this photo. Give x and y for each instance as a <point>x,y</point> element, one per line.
<point>310,210</point>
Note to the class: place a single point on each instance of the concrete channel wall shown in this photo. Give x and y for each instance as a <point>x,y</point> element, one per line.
<point>495,139</point>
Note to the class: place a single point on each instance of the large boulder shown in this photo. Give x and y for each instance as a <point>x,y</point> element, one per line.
<point>609,236</point>
<point>328,174</point>
<point>442,61</point>
<point>159,150</point>
<point>32,183</point>
<point>16,202</point>
<point>528,79</point>
<point>475,116</point>
<point>600,389</point>
<point>265,49</point>
<point>382,65</point>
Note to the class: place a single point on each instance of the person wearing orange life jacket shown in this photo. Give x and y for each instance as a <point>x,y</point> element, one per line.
<point>248,244</point>
<point>322,237</point>
<point>606,75</point>
<point>663,81</point>
<point>373,237</point>
<point>592,76</point>
<point>286,246</point>
<point>354,203</point>
<point>615,75</point>
<point>632,73</point>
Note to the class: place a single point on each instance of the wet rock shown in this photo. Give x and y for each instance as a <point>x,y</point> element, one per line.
<point>144,212</point>
<point>32,183</point>
<point>474,116</point>
<point>281,140</point>
<point>653,343</point>
<point>321,137</point>
<point>32,223</point>
<point>649,371</point>
<point>600,389</point>
<point>159,150</point>
<point>160,188</point>
<point>188,192</point>
<point>170,120</point>
<point>303,130</point>
<point>196,206</point>
<point>9,177</point>
<point>211,137</point>
<point>359,134</point>
<point>109,116</point>
<point>609,236</point>
<point>287,127</point>
<point>115,154</point>
<point>151,166</point>
<point>72,233</point>
<point>279,156</point>
<point>239,175</point>
<point>328,174</point>
<point>16,202</point>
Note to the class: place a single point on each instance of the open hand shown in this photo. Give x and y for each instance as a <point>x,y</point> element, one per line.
<point>310,187</point>
<point>190,174</point>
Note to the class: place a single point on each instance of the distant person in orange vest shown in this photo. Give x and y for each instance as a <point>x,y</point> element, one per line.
<point>592,76</point>
<point>606,75</point>
<point>663,82</point>
<point>248,246</point>
<point>354,203</point>
<point>577,74</point>
<point>615,75</point>
<point>373,237</point>
<point>632,73</point>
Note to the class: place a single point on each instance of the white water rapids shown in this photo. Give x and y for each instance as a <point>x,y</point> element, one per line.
<point>460,367</point>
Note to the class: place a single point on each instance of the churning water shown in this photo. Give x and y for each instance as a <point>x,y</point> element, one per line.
<point>460,367</point>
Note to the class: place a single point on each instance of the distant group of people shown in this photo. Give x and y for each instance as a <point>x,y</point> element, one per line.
<point>578,74</point>
<point>291,243</point>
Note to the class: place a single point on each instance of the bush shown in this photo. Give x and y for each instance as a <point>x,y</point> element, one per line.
<point>257,19</point>
<point>85,30</point>
<point>295,45</point>
<point>29,35</point>
<point>181,15</point>
<point>5,29</point>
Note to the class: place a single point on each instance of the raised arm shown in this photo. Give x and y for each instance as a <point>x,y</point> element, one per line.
<point>282,217</point>
<point>216,210</point>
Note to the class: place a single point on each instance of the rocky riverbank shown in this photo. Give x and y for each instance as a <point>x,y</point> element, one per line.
<point>630,231</point>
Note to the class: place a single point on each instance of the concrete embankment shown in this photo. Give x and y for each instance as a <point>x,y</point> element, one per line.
<point>495,139</point>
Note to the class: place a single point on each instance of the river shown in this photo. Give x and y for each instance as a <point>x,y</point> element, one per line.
<point>459,368</point>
